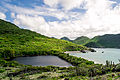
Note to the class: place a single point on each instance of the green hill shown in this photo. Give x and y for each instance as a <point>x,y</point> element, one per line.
<point>81,40</point>
<point>105,41</point>
<point>20,42</point>
<point>65,38</point>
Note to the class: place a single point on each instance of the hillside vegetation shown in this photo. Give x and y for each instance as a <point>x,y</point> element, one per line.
<point>19,42</point>
<point>81,40</point>
<point>105,41</point>
<point>15,42</point>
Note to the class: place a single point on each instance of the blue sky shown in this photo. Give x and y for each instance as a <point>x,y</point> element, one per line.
<point>58,18</point>
<point>30,4</point>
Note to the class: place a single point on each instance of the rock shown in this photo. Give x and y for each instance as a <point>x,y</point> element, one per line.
<point>92,50</point>
<point>66,79</point>
<point>83,51</point>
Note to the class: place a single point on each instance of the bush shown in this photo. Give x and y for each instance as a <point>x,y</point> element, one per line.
<point>2,70</point>
<point>117,68</point>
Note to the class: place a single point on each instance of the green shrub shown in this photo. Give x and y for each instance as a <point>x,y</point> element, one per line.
<point>2,70</point>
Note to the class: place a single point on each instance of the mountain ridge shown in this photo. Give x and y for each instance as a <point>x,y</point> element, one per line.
<point>104,41</point>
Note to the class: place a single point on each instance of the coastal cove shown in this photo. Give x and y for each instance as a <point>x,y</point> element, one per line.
<point>54,59</point>
<point>100,56</point>
<point>60,40</point>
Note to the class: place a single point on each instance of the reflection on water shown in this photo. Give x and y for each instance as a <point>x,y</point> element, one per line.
<point>43,61</point>
<point>101,55</point>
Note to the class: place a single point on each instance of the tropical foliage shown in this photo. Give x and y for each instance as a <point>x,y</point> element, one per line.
<point>21,42</point>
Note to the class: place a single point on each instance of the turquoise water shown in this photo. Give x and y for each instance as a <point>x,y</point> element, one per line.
<point>109,54</point>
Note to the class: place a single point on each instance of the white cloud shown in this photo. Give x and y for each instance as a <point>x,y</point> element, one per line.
<point>13,15</point>
<point>52,3</point>
<point>2,15</point>
<point>70,4</point>
<point>44,11</point>
<point>66,4</point>
<point>34,23</point>
<point>100,18</point>
<point>37,11</point>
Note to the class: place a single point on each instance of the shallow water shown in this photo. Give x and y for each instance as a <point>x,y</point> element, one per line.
<point>109,54</point>
<point>43,61</point>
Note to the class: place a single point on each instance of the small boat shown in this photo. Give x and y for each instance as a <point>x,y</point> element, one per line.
<point>102,51</point>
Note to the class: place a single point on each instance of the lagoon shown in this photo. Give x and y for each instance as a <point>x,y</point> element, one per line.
<point>102,54</point>
<point>42,61</point>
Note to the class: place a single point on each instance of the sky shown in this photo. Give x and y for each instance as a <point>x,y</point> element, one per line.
<point>59,18</point>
